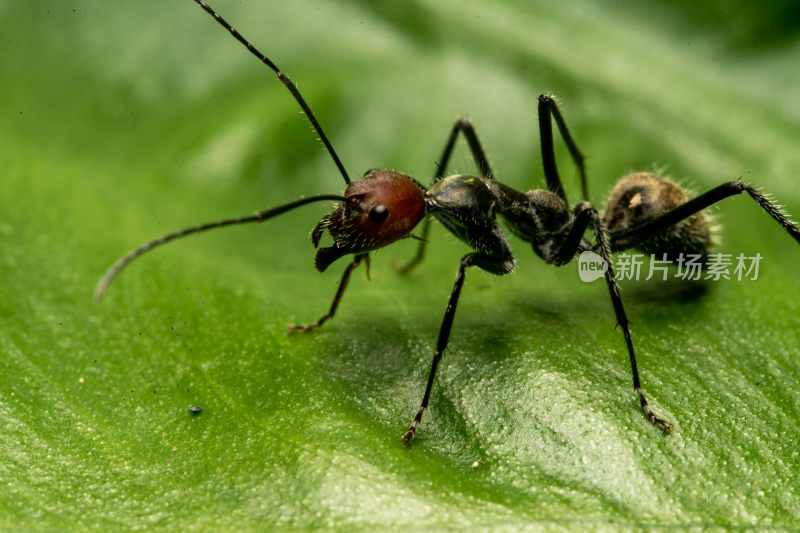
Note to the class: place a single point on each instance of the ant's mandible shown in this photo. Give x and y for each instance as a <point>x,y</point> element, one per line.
<point>645,211</point>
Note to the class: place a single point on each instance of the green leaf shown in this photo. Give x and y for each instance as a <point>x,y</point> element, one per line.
<point>123,122</point>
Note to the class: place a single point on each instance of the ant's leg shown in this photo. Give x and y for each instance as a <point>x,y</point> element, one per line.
<point>405,268</point>
<point>622,318</point>
<point>547,109</point>
<point>494,264</point>
<point>336,299</point>
<point>585,214</point>
<point>627,239</point>
<point>464,126</point>
<point>574,241</point>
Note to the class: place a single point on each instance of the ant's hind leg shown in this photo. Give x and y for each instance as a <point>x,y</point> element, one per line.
<point>630,238</point>
<point>337,298</point>
<point>462,125</point>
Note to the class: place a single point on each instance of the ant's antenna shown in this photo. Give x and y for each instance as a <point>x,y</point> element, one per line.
<point>286,81</point>
<point>112,272</point>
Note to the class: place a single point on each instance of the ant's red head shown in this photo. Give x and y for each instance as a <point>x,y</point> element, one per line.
<point>379,209</point>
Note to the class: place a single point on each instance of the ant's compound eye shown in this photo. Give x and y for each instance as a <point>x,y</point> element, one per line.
<point>370,171</point>
<point>378,214</point>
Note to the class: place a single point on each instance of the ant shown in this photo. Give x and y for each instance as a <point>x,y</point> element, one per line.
<point>645,211</point>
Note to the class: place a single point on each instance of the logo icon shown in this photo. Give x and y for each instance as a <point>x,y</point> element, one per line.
<point>591,266</point>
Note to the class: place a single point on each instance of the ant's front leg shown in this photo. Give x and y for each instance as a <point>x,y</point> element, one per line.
<point>462,125</point>
<point>337,298</point>
<point>496,264</point>
<point>405,268</point>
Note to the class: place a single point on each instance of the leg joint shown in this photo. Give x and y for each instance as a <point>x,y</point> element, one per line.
<point>738,186</point>
<point>464,122</point>
<point>544,99</point>
<point>586,209</point>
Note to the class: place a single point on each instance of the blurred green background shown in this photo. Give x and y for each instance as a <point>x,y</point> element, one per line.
<point>122,121</point>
